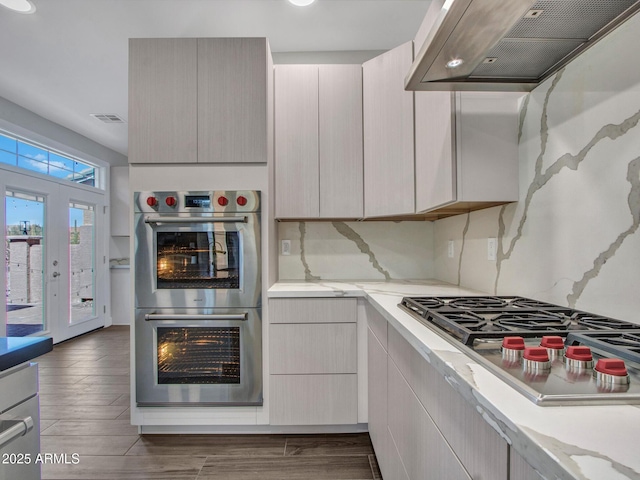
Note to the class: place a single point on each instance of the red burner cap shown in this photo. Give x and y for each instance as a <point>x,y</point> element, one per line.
<point>582,354</point>
<point>611,366</point>
<point>536,354</point>
<point>513,343</point>
<point>549,341</point>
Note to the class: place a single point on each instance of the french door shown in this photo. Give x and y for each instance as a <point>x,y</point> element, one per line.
<point>55,264</point>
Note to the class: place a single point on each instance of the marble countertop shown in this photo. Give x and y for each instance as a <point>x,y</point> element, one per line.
<point>562,442</point>
<point>17,350</point>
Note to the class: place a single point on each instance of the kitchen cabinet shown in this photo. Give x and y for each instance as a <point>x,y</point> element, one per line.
<point>388,134</point>
<point>313,361</point>
<point>203,100</point>
<point>466,150</point>
<point>318,141</point>
<point>232,100</point>
<point>163,102</point>
<point>521,470</point>
<point>420,427</point>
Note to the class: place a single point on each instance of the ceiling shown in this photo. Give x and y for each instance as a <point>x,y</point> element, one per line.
<point>69,59</point>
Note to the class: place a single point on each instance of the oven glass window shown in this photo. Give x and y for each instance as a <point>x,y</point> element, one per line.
<point>198,260</point>
<point>199,355</point>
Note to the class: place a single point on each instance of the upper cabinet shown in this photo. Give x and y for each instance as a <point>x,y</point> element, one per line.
<point>388,134</point>
<point>466,151</point>
<point>163,100</point>
<point>318,141</point>
<point>198,100</point>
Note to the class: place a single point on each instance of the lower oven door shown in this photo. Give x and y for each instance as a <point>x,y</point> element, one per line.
<point>198,357</point>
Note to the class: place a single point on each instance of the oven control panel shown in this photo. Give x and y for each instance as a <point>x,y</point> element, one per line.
<point>217,201</point>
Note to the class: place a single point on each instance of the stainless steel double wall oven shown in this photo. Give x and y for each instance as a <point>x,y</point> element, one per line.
<point>198,298</point>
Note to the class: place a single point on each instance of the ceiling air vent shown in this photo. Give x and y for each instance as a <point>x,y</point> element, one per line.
<point>108,117</point>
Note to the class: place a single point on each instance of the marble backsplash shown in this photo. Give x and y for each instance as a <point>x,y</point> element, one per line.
<point>573,237</point>
<point>356,250</point>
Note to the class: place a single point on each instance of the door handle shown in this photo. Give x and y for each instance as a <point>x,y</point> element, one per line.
<point>18,429</point>
<point>56,274</point>
<point>149,317</point>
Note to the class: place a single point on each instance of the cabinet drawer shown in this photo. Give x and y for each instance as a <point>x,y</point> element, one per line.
<point>312,310</point>
<point>314,399</point>
<point>313,348</point>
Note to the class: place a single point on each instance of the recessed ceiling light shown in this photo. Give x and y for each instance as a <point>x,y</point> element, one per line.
<point>455,63</point>
<point>20,6</point>
<point>302,3</point>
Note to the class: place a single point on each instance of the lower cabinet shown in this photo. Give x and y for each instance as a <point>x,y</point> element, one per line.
<point>521,470</point>
<point>313,361</point>
<point>421,428</point>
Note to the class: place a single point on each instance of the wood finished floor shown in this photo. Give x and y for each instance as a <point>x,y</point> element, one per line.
<point>84,406</point>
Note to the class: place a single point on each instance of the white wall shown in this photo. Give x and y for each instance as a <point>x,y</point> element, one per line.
<point>573,237</point>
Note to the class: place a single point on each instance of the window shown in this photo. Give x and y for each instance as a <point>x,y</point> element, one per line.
<point>37,158</point>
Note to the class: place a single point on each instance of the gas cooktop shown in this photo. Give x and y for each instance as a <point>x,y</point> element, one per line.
<point>549,353</point>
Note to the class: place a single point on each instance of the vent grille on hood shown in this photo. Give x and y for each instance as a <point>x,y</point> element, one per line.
<point>526,43</point>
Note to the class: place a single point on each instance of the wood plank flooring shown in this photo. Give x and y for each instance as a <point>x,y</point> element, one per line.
<point>84,405</point>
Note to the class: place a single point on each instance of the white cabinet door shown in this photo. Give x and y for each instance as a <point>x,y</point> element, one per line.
<point>313,348</point>
<point>313,310</point>
<point>377,393</point>
<point>340,141</point>
<point>435,150</point>
<point>521,470</point>
<point>232,100</point>
<point>466,150</point>
<point>163,100</point>
<point>388,134</point>
<point>423,450</point>
<point>296,131</point>
<point>314,399</point>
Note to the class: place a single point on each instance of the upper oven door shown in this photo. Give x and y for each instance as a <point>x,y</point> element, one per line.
<point>202,260</point>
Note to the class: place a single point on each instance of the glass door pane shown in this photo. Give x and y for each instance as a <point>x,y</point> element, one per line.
<point>81,262</point>
<point>24,255</point>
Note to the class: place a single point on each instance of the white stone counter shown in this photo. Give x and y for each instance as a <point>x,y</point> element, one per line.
<point>567,442</point>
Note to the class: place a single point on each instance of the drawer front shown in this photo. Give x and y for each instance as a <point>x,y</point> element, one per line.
<point>314,399</point>
<point>319,348</point>
<point>27,444</point>
<point>312,310</point>
<point>17,384</point>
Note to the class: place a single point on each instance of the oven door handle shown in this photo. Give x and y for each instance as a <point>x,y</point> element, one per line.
<point>21,428</point>
<point>150,317</point>
<point>155,220</point>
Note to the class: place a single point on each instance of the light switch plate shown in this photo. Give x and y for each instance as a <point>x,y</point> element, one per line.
<point>450,249</point>
<point>286,247</point>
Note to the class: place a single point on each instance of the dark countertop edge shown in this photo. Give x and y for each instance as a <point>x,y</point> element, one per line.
<point>25,354</point>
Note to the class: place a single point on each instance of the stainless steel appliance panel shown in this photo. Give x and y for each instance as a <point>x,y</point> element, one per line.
<point>203,250</point>
<point>19,423</point>
<point>198,356</point>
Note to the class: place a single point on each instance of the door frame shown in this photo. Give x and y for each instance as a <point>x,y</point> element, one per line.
<point>56,294</point>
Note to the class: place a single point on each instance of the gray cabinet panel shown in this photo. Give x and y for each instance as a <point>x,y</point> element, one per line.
<point>312,310</point>
<point>314,399</point>
<point>423,450</point>
<point>521,470</point>
<point>313,348</point>
<point>388,134</point>
<point>340,141</point>
<point>296,131</point>
<point>163,100</point>
<point>232,100</point>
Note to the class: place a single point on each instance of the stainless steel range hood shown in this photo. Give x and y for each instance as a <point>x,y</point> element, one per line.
<point>510,45</point>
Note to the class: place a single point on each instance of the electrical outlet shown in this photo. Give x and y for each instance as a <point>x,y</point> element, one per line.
<point>450,249</point>
<point>492,249</point>
<point>286,247</point>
